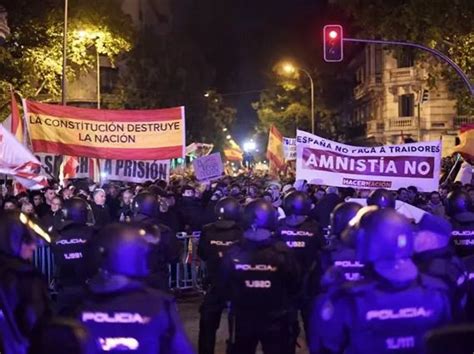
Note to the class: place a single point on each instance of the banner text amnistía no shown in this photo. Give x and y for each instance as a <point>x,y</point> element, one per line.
<point>107,134</point>
<point>325,162</point>
<point>114,170</point>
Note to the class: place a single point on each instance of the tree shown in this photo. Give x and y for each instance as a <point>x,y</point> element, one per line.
<point>442,24</point>
<point>164,70</point>
<point>287,104</point>
<point>31,60</point>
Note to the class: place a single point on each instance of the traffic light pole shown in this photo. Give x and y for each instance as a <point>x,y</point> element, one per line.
<point>435,52</point>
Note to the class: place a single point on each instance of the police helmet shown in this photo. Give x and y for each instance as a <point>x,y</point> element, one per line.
<point>382,234</point>
<point>76,209</point>
<point>16,229</point>
<point>146,204</point>
<point>260,214</point>
<point>297,203</point>
<point>458,202</point>
<point>341,215</point>
<point>123,249</point>
<point>381,198</point>
<point>228,209</point>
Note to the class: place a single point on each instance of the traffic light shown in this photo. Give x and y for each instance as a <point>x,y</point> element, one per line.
<point>333,46</point>
<point>425,95</point>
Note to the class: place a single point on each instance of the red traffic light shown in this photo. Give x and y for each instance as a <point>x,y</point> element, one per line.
<point>333,43</point>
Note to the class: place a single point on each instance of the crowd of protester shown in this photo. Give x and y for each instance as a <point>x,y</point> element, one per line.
<point>325,274</point>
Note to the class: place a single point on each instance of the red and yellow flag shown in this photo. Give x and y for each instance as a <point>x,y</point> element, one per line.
<point>466,146</point>
<point>275,148</point>
<point>233,152</point>
<point>106,134</point>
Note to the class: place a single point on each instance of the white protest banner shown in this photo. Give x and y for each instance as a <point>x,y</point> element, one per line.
<point>208,167</point>
<point>50,165</point>
<point>325,162</point>
<point>135,171</point>
<point>289,149</point>
<point>113,170</point>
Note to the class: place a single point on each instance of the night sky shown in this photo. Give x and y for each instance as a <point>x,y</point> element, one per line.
<point>244,39</point>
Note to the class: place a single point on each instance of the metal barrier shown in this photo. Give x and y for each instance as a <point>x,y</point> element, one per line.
<point>187,274</point>
<point>43,259</point>
<point>190,271</point>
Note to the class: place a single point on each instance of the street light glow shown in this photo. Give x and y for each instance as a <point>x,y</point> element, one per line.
<point>82,34</point>
<point>333,34</point>
<point>249,146</point>
<point>288,68</point>
<point>206,94</point>
<point>228,137</point>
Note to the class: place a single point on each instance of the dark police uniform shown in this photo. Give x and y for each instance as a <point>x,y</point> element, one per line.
<point>469,264</point>
<point>166,252</point>
<point>446,266</point>
<point>261,278</point>
<point>339,264</point>
<point>305,240</point>
<point>136,319</point>
<point>216,239</point>
<point>463,233</point>
<point>70,251</point>
<point>374,316</point>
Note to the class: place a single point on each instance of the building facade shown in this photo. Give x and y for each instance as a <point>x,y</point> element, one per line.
<point>392,101</point>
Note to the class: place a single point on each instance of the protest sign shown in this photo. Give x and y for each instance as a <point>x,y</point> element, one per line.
<point>113,170</point>
<point>325,162</point>
<point>208,167</point>
<point>135,171</point>
<point>106,134</point>
<point>289,149</point>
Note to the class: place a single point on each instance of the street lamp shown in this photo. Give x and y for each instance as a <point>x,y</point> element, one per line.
<point>289,68</point>
<point>249,146</point>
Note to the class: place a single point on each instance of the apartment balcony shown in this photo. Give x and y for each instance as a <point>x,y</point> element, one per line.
<point>401,123</point>
<point>402,75</point>
<point>462,120</point>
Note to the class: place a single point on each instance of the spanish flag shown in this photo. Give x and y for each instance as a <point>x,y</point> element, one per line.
<point>275,148</point>
<point>466,147</point>
<point>233,152</point>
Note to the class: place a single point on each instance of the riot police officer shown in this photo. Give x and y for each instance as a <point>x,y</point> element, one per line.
<point>216,239</point>
<point>382,198</point>
<point>23,292</point>
<point>145,209</point>
<point>339,261</point>
<point>459,210</point>
<point>304,236</point>
<point>261,278</point>
<point>435,256</point>
<point>393,307</point>
<point>120,311</point>
<point>70,254</point>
